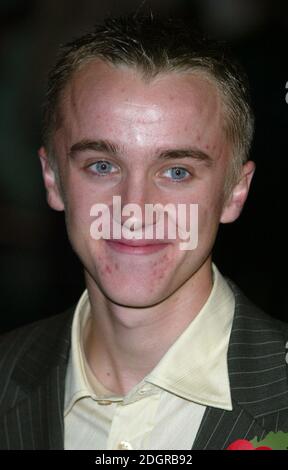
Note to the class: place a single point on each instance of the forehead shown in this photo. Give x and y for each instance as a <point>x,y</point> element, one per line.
<point>106,98</point>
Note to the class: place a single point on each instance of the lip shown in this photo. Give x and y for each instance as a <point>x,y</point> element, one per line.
<point>136,247</point>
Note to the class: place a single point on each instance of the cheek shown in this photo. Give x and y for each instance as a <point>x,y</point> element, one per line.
<point>77,210</point>
<point>210,203</point>
<point>209,219</point>
<point>161,267</point>
<point>105,268</point>
<point>78,222</point>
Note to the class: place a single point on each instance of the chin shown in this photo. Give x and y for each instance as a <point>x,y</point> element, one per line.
<point>133,298</point>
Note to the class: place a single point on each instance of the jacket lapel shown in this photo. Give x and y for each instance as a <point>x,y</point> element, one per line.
<point>36,419</point>
<point>258,380</point>
<point>220,427</point>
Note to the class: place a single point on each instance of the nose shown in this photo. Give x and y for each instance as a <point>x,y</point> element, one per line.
<point>137,191</point>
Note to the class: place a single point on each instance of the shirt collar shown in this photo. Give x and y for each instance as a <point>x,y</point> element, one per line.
<point>195,366</point>
<point>79,381</point>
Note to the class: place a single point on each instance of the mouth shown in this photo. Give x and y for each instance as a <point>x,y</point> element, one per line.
<point>137,247</point>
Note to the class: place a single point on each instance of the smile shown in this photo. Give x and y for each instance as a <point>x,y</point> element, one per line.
<point>136,247</point>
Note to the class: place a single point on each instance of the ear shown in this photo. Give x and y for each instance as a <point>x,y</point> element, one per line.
<point>235,202</point>
<point>54,197</point>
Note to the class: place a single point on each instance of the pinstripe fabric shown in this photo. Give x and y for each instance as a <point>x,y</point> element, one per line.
<point>258,380</point>
<point>33,363</point>
<point>32,374</point>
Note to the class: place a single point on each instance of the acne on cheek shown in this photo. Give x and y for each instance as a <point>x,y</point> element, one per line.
<point>160,261</point>
<point>106,268</point>
<point>159,270</point>
<point>103,267</point>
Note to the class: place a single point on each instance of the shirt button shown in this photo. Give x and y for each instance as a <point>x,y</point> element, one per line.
<point>124,445</point>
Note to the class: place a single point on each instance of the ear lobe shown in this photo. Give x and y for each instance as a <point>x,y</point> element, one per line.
<point>54,198</point>
<point>235,203</point>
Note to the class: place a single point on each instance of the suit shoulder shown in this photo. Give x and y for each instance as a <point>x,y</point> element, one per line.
<point>246,310</point>
<point>17,342</point>
<point>29,353</point>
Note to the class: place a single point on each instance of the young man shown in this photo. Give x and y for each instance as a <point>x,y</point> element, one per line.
<point>161,352</point>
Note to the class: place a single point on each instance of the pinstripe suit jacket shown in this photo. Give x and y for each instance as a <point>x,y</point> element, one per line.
<point>33,362</point>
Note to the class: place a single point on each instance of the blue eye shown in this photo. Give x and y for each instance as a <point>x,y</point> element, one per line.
<point>177,173</point>
<point>102,168</point>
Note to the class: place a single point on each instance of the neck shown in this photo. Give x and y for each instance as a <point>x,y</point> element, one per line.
<point>122,344</point>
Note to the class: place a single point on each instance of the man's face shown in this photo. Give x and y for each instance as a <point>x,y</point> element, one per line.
<point>149,125</point>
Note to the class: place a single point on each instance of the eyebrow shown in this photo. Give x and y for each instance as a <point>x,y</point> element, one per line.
<point>96,145</point>
<point>111,148</point>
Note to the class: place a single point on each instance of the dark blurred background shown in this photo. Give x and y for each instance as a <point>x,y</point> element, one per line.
<point>39,273</point>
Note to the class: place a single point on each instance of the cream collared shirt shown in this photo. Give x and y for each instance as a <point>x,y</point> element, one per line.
<point>165,409</point>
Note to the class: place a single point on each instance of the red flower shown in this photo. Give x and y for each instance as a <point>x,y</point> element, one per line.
<point>263,448</point>
<point>243,444</point>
